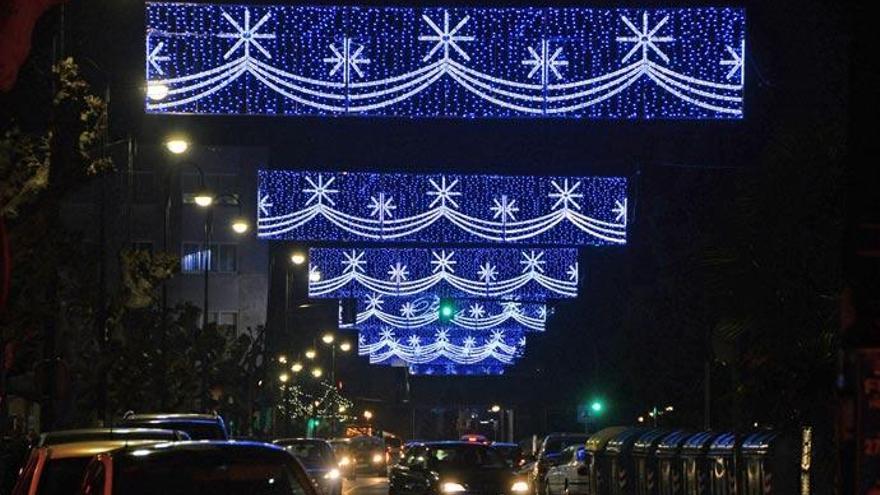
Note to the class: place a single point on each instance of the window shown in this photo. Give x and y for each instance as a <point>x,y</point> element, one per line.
<point>222,258</point>
<point>228,319</point>
<point>142,246</point>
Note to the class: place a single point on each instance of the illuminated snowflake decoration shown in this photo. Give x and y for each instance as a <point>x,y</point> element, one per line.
<point>264,205</point>
<point>645,39</point>
<point>247,36</point>
<point>735,62</point>
<point>545,62</point>
<point>620,211</point>
<point>320,191</point>
<point>398,272</point>
<point>382,206</point>
<point>408,310</point>
<point>504,208</point>
<point>442,336</point>
<point>476,310</point>
<point>374,302</point>
<point>443,262</point>
<point>446,38</point>
<point>154,57</point>
<point>415,340</point>
<point>573,272</point>
<point>353,261</point>
<point>346,60</point>
<point>488,272</point>
<point>443,192</point>
<point>533,262</point>
<point>565,195</point>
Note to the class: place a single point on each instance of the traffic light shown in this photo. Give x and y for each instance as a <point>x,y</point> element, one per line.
<point>446,310</point>
<point>597,407</point>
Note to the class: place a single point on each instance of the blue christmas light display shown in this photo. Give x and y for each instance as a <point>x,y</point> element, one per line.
<point>524,274</point>
<point>446,62</point>
<point>437,208</point>
<point>457,369</point>
<point>422,312</point>
<point>441,346</point>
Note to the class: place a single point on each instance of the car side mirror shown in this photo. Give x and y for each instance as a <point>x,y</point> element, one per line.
<point>581,455</point>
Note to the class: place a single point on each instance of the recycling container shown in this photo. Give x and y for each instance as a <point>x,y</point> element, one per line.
<point>595,450</point>
<point>695,465</point>
<point>770,464</point>
<point>669,465</point>
<point>645,459</point>
<point>621,468</point>
<point>724,457</point>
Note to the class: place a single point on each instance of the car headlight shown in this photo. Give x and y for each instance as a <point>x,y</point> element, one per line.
<point>332,474</point>
<point>377,458</point>
<point>519,487</point>
<point>452,487</point>
<point>345,461</point>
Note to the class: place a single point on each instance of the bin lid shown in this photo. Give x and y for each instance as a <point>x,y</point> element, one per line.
<point>760,442</point>
<point>597,441</point>
<point>672,443</point>
<point>647,442</point>
<point>725,444</point>
<point>623,442</point>
<point>698,443</point>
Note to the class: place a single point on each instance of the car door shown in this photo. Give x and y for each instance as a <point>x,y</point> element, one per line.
<point>556,473</point>
<point>577,474</point>
<point>410,477</point>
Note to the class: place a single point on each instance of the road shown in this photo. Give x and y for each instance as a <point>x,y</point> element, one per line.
<point>366,485</point>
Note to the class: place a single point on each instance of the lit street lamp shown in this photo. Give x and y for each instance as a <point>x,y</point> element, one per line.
<point>345,347</point>
<point>157,92</point>
<point>282,359</point>
<point>283,377</point>
<point>297,258</point>
<point>317,372</point>
<point>177,145</point>
<point>368,415</point>
<point>296,368</point>
<point>310,354</point>
<point>495,408</point>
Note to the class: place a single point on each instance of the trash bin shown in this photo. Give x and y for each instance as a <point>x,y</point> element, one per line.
<point>724,456</point>
<point>595,449</point>
<point>622,472</point>
<point>645,460</point>
<point>694,463</point>
<point>771,464</point>
<point>669,465</point>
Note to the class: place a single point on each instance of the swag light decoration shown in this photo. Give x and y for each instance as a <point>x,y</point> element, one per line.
<point>526,274</point>
<point>443,346</point>
<point>441,208</point>
<point>421,312</point>
<point>447,62</point>
<point>457,369</point>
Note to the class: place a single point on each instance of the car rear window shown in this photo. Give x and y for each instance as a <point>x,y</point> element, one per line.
<point>62,476</point>
<point>311,454</point>
<point>465,456</point>
<point>205,475</point>
<point>197,430</point>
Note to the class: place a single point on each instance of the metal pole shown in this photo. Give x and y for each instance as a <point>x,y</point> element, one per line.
<point>707,395</point>
<point>209,217</point>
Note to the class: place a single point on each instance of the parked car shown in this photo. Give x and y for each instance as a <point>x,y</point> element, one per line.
<point>318,459</point>
<point>548,453</point>
<point>59,469</point>
<point>446,468</point>
<point>344,457</point>
<point>205,467</point>
<point>569,475</point>
<point>369,454</point>
<point>197,426</point>
<point>95,434</point>
<point>511,452</point>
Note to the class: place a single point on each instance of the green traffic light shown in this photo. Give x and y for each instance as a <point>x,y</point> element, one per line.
<point>446,311</point>
<point>597,406</point>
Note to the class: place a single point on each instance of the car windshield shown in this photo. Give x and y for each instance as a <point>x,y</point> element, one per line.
<point>555,445</point>
<point>311,454</point>
<point>197,430</point>
<point>361,444</point>
<point>465,456</point>
<point>62,475</point>
<point>207,475</point>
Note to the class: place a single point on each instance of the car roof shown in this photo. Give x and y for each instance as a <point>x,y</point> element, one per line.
<point>319,441</point>
<point>505,444</point>
<point>91,448</point>
<point>245,449</point>
<point>452,443</point>
<point>54,436</point>
<point>172,416</point>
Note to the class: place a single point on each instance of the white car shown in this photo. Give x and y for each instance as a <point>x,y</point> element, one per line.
<point>569,475</point>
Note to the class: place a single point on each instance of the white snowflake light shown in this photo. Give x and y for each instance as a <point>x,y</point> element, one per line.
<point>446,38</point>
<point>644,39</point>
<point>247,36</point>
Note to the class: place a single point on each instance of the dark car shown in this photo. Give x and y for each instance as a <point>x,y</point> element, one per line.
<point>548,455</point>
<point>318,459</point>
<point>95,434</point>
<point>344,457</point>
<point>193,468</point>
<point>197,426</point>
<point>369,454</point>
<point>511,452</point>
<point>461,468</point>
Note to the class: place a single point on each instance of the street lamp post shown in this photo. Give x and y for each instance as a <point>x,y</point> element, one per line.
<point>205,200</point>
